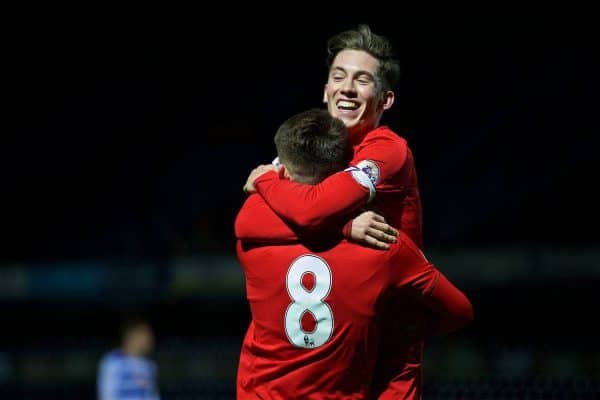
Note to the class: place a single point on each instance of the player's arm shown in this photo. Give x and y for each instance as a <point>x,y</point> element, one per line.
<point>450,304</point>
<point>256,222</point>
<point>451,309</point>
<point>313,206</point>
<point>368,228</point>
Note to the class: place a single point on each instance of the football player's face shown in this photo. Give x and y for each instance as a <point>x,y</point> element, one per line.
<point>351,92</point>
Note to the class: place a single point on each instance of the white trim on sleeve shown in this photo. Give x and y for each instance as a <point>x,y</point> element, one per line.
<point>363,179</point>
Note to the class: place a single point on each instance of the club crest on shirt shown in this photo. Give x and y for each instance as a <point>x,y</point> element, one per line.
<point>371,169</point>
<point>308,342</point>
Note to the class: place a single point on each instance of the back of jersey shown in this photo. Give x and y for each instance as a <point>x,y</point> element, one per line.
<point>313,333</point>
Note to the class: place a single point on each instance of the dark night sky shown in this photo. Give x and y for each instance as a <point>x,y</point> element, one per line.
<point>128,138</point>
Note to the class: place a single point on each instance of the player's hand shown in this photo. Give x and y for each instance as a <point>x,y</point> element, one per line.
<point>370,228</point>
<point>256,172</point>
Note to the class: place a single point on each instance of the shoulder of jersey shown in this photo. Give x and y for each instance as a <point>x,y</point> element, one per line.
<point>386,132</point>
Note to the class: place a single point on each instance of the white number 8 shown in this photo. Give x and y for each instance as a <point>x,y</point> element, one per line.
<point>311,301</point>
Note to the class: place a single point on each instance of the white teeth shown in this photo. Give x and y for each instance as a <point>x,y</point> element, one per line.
<point>347,104</point>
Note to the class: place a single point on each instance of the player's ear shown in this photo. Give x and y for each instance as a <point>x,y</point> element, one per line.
<point>284,172</point>
<point>325,94</point>
<point>387,100</point>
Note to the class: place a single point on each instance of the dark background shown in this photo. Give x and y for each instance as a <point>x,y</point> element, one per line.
<point>127,141</point>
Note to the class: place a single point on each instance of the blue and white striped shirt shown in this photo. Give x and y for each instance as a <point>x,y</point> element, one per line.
<point>125,377</point>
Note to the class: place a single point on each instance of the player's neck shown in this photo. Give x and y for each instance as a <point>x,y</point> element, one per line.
<point>357,134</point>
<point>131,351</point>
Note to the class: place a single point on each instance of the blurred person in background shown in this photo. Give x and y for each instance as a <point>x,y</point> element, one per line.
<point>126,373</point>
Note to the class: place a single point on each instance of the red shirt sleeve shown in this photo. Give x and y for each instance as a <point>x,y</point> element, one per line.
<point>389,153</point>
<point>311,206</point>
<point>256,222</point>
<point>451,308</point>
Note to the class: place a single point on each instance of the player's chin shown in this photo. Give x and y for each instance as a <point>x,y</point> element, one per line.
<point>348,121</point>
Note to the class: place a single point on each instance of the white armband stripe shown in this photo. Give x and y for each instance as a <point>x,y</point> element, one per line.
<point>363,179</point>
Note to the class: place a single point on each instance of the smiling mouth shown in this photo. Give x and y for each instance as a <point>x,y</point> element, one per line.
<point>345,105</point>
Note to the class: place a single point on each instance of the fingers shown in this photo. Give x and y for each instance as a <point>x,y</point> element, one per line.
<point>249,188</point>
<point>265,167</point>
<point>385,228</point>
<point>370,228</point>
<point>255,173</point>
<point>380,236</point>
<point>377,217</point>
<point>376,243</point>
<point>261,169</point>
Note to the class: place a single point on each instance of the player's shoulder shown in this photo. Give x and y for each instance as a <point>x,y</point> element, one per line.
<point>384,133</point>
<point>114,353</point>
<point>112,357</point>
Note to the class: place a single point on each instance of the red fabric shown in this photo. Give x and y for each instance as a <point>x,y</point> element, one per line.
<point>271,367</point>
<point>322,205</point>
<point>397,198</point>
<point>257,223</point>
<point>312,206</point>
<point>445,299</point>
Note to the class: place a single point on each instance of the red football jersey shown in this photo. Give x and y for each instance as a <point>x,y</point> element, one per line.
<point>383,157</point>
<point>313,334</point>
<point>387,161</point>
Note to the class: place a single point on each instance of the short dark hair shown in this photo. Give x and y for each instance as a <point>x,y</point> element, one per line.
<point>380,47</point>
<point>314,145</point>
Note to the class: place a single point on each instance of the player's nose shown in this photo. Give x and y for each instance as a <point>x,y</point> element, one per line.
<point>347,86</point>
